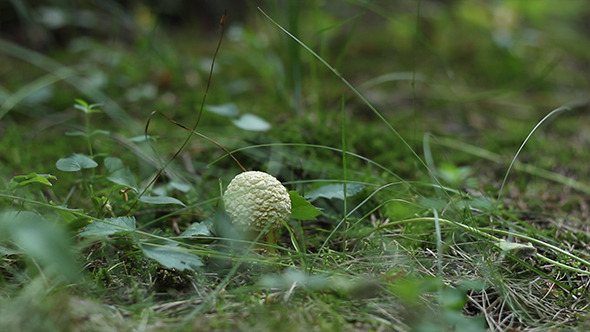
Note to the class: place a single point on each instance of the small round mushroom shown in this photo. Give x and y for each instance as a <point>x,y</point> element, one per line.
<point>257,201</point>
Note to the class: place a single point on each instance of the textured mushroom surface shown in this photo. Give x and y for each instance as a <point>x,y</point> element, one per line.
<point>254,199</point>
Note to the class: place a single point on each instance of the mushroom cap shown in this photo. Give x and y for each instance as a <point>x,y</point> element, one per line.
<point>254,199</point>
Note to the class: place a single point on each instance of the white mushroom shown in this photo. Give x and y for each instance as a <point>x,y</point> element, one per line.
<point>255,199</point>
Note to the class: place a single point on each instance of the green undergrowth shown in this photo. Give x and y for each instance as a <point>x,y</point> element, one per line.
<point>433,187</point>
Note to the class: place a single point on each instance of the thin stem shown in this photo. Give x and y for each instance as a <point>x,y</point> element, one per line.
<point>555,111</point>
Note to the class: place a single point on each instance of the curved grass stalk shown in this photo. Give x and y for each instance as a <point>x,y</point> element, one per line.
<point>555,111</point>
<point>192,131</point>
<point>539,242</point>
<point>350,213</point>
<point>317,146</point>
<point>351,87</point>
<point>44,81</point>
<point>563,266</point>
<point>497,158</point>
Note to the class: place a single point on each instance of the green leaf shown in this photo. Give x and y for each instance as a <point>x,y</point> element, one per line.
<point>119,174</point>
<point>411,289</point>
<point>197,229</point>
<point>42,240</point>
<point>301,209</point>
<point>400,209</point>
<point>109,226</point>
<point>160,200</point>
<point>172,257</point>
<point>113,164</point>
<point>126,180</point>
<point>23,180</point>
<point>143,138</point>
<point>85,107</point>
<point>81,103</point>
<point>74,163</point>
<point>183,187</point>
<point>251,122</point>
<point>229,110</point>
<point>336,191</point>
<point>71,220</point>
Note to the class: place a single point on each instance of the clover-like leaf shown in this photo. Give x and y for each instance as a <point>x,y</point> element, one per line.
<point>109,226</point>
<point>83,106</point>
<point>23,180</point>
<point>172,257</point>
<point>229,110</point>
<point>119,174</point>
<point>75,162</point>
<point>251,122</point>
<point>198,229</point>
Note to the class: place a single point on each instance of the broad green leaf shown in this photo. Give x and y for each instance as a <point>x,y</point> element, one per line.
<point>251,122</point>
<point>113,164</point>
<point>197,229</point>
<point>160,200</point>
<point>71,220</point>
<point>183,187</point>
<point>401,209</point>
<point>74,163</point>
<point>109,227</point>
<point>163,190</point>
<point>452,298</point>
<point>336,191</point>
<point>126,180</point>
<point>42,240</point>
<point>119,174</point>
<point>411,289</point>
<point>229,110</point>
<point>23,180</point>
<point>301,209</point>
<point>160,190</point>
<point>172,257</point>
